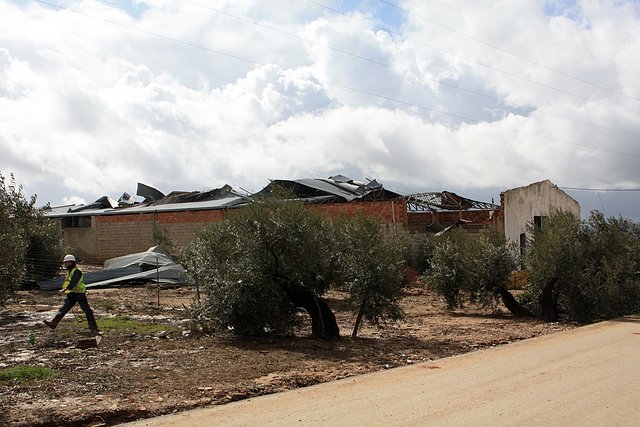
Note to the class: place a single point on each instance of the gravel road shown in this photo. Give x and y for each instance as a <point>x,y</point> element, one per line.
<point>588,376</point>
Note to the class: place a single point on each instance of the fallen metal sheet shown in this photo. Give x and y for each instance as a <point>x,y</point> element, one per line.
<point>165,274</point>
<point>151,258</point>
<point>151,266</point>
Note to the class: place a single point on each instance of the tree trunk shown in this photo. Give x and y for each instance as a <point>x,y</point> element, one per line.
<point>548,302</point>
<point>512,304</point>
<point>356,327</point>
<point>323,321</point>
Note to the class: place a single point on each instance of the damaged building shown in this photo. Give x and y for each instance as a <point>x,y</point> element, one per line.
<point>107,228</point>
<point>532,204</point>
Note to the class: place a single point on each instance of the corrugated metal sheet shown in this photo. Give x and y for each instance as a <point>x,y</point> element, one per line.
<point>172,207</point>
<point>220,202</point>
<point>338,188</point>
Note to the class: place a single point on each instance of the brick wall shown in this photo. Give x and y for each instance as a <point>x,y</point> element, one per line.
<point>118,235</point>
<point>418,221</point>
<point>388,211</point>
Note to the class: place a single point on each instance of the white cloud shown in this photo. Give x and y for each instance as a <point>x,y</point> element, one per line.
<point>190,95</point>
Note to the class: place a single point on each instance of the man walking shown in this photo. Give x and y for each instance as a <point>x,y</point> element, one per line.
<point>75,291</point>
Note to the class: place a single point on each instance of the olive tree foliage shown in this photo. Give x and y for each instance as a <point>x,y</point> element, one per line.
<point>583,271</point>
<point>270,259</point>
<point>614,265</point>
<point>260,264</point>
<point>12,245</point>
<point>160,236</point>
<point>30,245</point>
<point>462,269</point>
<point>553,261</point>
<point>372,266</point>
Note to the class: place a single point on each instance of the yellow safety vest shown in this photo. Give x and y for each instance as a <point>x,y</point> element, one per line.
<point>79,288</point>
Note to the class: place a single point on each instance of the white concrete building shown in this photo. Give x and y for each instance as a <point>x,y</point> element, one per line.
<point>531,205</point>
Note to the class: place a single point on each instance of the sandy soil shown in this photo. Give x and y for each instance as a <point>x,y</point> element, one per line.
<point>132,376</point>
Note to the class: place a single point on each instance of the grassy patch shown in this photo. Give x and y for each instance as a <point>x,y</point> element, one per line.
<point>25,373</point>
<point>126,325</point>
<point>107,305</point>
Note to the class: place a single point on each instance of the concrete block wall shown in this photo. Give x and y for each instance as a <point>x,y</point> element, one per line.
<point>80,241</point>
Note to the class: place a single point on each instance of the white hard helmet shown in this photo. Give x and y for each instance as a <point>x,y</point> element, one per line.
<point>69,258</point>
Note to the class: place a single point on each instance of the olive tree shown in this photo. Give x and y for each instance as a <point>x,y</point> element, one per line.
<point>261,264</point>
<point>268,260</point>
<point>30,244</point>
<point>12,244</point>
<point>372,266</point>
<point>553,260</point>
<point>583,270</point>
<point>613,266</point>
<point>463,268</point>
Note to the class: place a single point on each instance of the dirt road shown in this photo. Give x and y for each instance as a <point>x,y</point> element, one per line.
<point>587,376</point>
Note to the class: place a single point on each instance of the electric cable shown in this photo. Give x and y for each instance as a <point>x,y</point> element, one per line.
<point>407,72</point>
<point>515,55</point>
<point>198,46</point>
<point>474,61</point>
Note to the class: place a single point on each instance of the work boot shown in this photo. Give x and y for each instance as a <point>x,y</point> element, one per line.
<point>50,324</point>
<point>96,332</point>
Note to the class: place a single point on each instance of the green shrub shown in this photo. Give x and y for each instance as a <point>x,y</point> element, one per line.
<point>25,373</point>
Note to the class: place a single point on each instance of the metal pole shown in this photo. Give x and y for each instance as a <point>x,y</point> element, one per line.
<point>158,279</point>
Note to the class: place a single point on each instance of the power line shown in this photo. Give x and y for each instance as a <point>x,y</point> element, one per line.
<point>376,62</point>
<point>475,61</point>
<point>599,189</point>
<point>150,33</point>
<point>549,138</point>
<point>197,46</point>
<point>601,203</point>
<point>515,55</point>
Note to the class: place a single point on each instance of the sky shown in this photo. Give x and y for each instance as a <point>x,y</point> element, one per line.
<point>469,96</point>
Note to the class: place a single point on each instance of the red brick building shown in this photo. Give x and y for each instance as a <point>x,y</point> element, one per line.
<point>107,229</point>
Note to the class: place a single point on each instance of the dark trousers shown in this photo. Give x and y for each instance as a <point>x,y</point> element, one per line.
<point>71,300</point>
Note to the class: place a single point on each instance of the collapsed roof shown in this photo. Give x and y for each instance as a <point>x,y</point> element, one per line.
<point>444,201</point>
<point>334,189</point>
<point>195,196</point>
<point>154,201</point>
<point>104,202</point>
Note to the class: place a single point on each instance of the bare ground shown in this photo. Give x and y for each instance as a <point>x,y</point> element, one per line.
<point>132,376</point>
